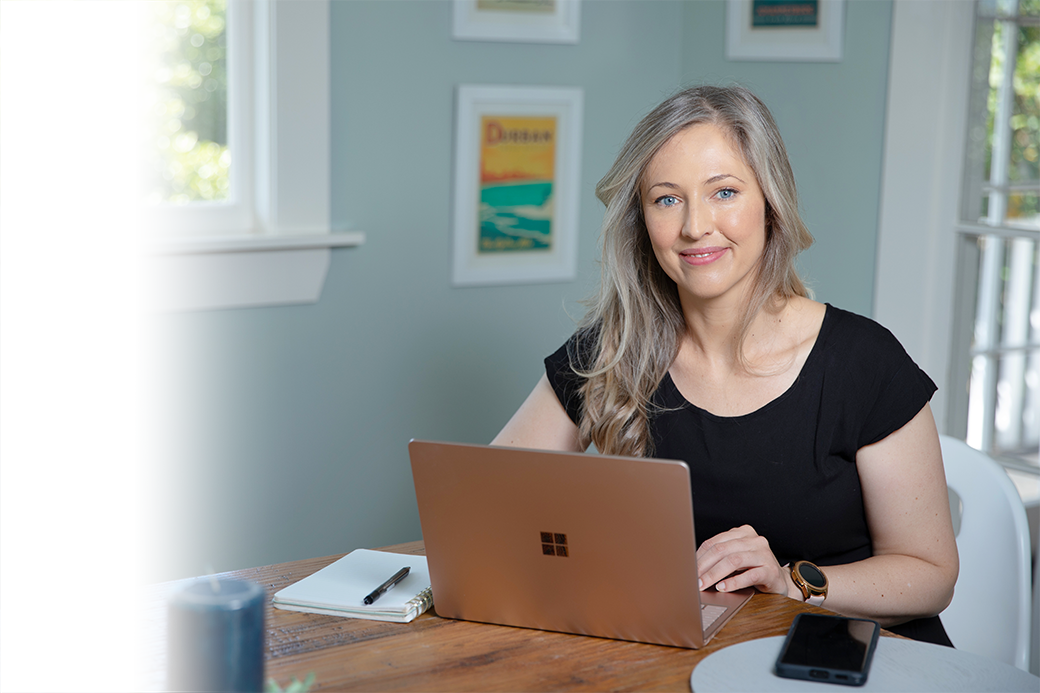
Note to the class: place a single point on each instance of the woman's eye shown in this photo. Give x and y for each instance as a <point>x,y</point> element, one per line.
<point>726,194</point>
<point>667,200</point>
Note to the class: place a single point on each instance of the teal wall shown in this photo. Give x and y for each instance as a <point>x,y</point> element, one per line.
<point>284,430</point>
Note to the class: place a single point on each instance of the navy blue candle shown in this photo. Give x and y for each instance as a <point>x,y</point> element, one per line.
<point>216,637</point>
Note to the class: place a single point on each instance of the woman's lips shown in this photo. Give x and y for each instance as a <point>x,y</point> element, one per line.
<point>701,256</point>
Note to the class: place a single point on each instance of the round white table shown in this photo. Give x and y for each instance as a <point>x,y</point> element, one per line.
<point>899,665</point>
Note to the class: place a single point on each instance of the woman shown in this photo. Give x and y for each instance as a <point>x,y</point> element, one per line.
<point>807,429</point>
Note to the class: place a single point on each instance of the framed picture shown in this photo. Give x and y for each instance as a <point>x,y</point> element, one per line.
<point>517,174</point>
<point>785,30</point>
<point>529,21</point>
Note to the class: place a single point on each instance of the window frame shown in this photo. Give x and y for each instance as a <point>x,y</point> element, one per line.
<point>979,244</point>
<point>271,245</point>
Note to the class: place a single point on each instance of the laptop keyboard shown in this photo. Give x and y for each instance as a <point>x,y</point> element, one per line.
<point>710,613</point>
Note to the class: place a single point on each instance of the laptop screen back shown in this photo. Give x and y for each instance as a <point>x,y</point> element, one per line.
<point>578,543</point>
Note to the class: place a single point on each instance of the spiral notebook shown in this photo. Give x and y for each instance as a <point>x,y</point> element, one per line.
<point>339,588</point>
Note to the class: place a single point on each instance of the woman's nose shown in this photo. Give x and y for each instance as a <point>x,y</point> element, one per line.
<point>699,221</point>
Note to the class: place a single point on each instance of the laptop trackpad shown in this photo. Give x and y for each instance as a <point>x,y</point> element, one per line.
<point>710,613</point>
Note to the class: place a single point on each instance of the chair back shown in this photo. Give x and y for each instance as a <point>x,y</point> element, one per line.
<point>990,611</point>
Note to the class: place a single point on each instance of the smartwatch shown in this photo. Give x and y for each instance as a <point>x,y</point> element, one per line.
<point>811,581</point>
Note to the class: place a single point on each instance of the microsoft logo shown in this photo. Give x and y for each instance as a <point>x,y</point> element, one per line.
<point>554,544</point>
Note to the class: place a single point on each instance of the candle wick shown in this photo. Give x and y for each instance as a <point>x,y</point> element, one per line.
<point>214,583</point>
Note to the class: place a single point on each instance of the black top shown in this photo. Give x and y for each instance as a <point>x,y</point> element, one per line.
<point>791,465</point>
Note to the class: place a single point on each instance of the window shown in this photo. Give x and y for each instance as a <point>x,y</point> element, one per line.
<point>997,352</point>
<point>161,110</point>
<point>119,106</point>
<point>267,239</point>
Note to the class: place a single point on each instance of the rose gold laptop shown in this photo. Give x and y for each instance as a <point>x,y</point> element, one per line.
<point>577,543</point>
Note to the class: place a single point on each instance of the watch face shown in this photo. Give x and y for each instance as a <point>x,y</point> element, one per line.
<point>812,575</point>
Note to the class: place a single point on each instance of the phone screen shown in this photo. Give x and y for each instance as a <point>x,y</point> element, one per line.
<point>828,648</point>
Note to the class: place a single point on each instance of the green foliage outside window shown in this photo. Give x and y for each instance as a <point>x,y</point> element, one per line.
<point>1024,164</point>
<point>164,99</point>
<point>1025,120</point>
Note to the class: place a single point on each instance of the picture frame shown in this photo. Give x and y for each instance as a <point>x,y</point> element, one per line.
<point>516,184</point>
<point>525,21</point>
<point>785,30</point>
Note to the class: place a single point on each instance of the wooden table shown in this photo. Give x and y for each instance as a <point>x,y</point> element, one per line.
<point>438,654</point>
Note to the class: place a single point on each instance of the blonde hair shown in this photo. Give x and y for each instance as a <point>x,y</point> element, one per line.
<point>630,335</point>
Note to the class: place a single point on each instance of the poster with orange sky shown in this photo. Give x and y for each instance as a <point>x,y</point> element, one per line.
<point>517,169</point>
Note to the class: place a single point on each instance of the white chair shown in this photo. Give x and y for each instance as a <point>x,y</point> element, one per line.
<point>990,612</point>
<point>1034,658</point>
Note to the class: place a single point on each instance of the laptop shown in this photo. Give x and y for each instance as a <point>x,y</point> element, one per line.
<point>577,543</point>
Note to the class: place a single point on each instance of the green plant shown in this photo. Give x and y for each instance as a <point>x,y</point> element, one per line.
<point>295,686</point>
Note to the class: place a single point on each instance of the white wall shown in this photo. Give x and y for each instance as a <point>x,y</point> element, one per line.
<point>924,150</point>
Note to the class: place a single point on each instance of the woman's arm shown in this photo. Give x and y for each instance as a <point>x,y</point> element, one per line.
<point>541,423</point>
<point>914,566</point>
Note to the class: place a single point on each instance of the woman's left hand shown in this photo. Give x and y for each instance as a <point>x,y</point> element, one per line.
<point>741,558</point>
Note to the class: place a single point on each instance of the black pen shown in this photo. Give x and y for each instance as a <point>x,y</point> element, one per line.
<point>389,584</point>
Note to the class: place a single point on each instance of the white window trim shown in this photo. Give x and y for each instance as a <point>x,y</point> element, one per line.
<point>284,254</point>
<point>925,130</point>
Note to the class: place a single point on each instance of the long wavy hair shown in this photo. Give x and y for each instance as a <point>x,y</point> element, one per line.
<point>631,333</point>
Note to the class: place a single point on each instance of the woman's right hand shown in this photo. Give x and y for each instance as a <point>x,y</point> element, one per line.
<point>741,558</point>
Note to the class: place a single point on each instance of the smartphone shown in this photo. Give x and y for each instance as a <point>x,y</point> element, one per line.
<point>833,649</point>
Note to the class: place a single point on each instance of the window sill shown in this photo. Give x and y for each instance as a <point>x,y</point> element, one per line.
<point>241,271</point>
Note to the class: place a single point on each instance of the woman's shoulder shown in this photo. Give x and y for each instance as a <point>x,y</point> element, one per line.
<point>870,376</point>
<point>579,351</point>
<point>860,346</point>
<point>855,328</point>
<point>563,366</point>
